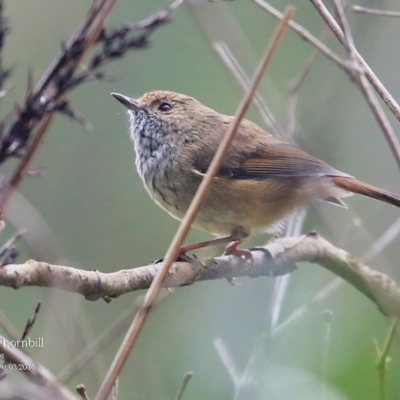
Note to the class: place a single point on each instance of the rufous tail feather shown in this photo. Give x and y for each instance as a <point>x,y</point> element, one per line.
<point>355,186</point>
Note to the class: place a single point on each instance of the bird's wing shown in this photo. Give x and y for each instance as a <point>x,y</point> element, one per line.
<point>254,154</point>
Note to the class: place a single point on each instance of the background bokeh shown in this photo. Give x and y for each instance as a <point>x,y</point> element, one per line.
<point>90,210</point>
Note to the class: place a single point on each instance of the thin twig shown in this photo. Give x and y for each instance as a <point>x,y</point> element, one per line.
<point>345,27</point>
<point>51,387</point>
<point>237,71</point>
<point>100,343</point>
<point>30,323</point>
<point>88,34</point>
<point>388,131</point>
<point>4,32</point>
<point>32,119</point>
<point>327,315</point>
<point>369,73</point>
<point>188,376</point>
<point>116,42</point>
<point>382,242</point>
<point>380,116</point>
<point>173,251</point>
<point>4,249</point>
<point>357,73</point>
<point>383,355</point>
<point>304,34</point>
<point>81,390</point>
<point>294,228</point>
<point>157,18</point>
<point>228,361</point>
<point>295,83</point>
<point>373,11</point>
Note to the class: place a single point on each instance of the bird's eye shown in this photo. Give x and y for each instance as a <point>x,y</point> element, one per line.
<point>164,107</point>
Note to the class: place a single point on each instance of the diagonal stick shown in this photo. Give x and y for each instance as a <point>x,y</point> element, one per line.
<point>173,251</point>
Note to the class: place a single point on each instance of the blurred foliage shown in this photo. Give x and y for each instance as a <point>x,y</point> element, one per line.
<point>90,210</point>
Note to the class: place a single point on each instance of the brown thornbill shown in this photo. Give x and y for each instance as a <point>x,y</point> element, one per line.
<point>262,180</point>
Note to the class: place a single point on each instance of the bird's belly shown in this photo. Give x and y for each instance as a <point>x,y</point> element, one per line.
<point>224,222</point>
<point>227,208</point>
<point>255,218</point>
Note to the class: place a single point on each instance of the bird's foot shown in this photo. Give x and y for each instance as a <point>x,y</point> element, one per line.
<point>183,256</point>
<point>232,249</point>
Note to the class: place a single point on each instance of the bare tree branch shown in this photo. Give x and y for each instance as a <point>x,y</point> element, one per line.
<point>279,257</point>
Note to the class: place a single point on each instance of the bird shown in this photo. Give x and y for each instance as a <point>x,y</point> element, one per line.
<point>261,182</point>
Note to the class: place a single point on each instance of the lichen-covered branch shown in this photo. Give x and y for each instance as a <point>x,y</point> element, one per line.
<point>278,257</point>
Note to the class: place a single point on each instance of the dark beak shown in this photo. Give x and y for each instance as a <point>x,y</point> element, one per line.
<point>127,101</point>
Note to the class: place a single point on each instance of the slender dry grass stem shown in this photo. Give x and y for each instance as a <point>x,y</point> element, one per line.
<point>384,358</point>
<point>296,82</point>
<point>373,11</point>
<point>173,251</point>
<point>237,71</point>
<point>188,376</point>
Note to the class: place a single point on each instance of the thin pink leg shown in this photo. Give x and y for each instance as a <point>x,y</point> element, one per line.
<point>202,245</point>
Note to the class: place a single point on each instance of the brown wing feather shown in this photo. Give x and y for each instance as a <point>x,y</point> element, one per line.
<point>257,155</point>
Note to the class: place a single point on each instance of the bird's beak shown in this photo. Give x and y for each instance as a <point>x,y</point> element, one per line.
<point>127,102</point>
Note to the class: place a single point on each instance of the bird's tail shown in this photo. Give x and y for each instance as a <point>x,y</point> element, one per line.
<point>355,186</point>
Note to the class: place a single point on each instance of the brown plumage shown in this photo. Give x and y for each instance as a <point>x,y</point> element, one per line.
<point>262,179</point>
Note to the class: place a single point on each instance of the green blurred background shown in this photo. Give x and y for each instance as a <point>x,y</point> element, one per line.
<point>90,210</point>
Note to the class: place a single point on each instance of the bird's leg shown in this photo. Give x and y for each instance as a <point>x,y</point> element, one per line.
<point>232,249</point>
<point>183,256</point>
<point>235,239</point>
<point>208,243</point>
<point>239,234</point>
